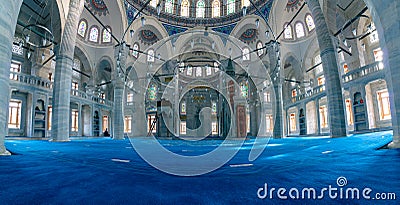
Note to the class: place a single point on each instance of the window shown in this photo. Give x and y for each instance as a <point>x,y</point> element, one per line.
<point>200,10</point>
<point>208,71</point>
<point>288,32</point>
<point>374,33</point>
<point>299,30</point>
<point>214,128</point>
<point>323,116</point>
<point>129,98</point>
<point>317,60</point>
<point>75,85</point>
<point>135,52</point>
<point>14,70</point>
<point>345,68</point>
<point>246,54</point>
<point>169,6</point>
<point>230,7</point>
<point>245,3</point>
<point>269,123</point>
<point>49,116</point>
<point>247,119</point>
<point>292,122</point>
<point>294,93</point>
<point>185,8</point>
<point>82,28</point>
<point>260,50</point>
<point>151,124</point>
<point>17,47</point>
<point>384,105</point>
<point>216,67</point>
<point>214,108</point>
<point>267,97</point>
<point>103,96</point>
<point>183,128</point>
<point>105,123</point>
<point>14,118</point>
<point>183,108</point>
<point>94,34</point>
<point>107,35</point>
<point>244,88</point>
<point>349,112</point>
<point>199,72</point>
<point>321,80</point>
<point>189,71</point>
<point>150,55</point>
<point>128,124</point>
<point>216,8</point>
<point>153,3</point>
<point>74,120</point>
<point>152,92</point>
<point>310,22</point>
<point>378,54</point>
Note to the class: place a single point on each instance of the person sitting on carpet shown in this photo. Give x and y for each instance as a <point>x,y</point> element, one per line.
<point>106,134</point>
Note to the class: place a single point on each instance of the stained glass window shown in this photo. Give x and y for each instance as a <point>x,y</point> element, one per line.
<point>310,22</point>
<point>107,35</point>
<point>260,50</point>
<point>317,60</point>
<point>183,108</point>
<point>216,8</point>
<point>135,52</point>
<point>169,6</point>
<point>150,55</point>
<point>94,34</point>
<point>199,72</point>
<point>288,32</point>
<point>245,3</point>
<point>82,28</point>
<point>246,54</point>
<point>189,71</point>
<point>153,3</point>
<point>208,71</point>
<point>152,92</point>
<point>214,108</point>
<point>244,88</point>
<point>299,30</point>
<point>185,8</point>
<point>230,6</point>
<point>200,10</point>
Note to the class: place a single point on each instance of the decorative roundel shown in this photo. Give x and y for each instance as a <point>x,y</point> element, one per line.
<point>148,37</point>
<point>98,7</point>
<point>293,4</point>
<point>249,36</point>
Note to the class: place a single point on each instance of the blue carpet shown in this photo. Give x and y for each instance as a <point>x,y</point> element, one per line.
<point>84,172</point>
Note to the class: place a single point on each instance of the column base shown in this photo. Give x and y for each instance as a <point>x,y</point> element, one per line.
<point>5,153</point>
<point>118,138</point>
<point>394,145</point>
<point>56,140</point>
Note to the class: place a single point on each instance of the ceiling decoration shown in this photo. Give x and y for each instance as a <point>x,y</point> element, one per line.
<point>249,36</point>
<point>130,12</point>
<point>293,5</point>
<point>172,30</point>
<point>98,7</point>
<point>148,37</point>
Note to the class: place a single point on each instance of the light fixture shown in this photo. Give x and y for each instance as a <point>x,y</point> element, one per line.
<point>118,63</point>
<point>257,23</point>
<point>192,43</point>
<point>158,9</point>
<point>244,10</point>
<point>213,45</point>
<point>51,51</point>
<point>131,32</point>
<point>27,38</point>
<point>29,54</point>
<point>267,34</point>
<point>143,19</point>
<point>354,32</point>
<point>43,56</point>
<point>158,56</point>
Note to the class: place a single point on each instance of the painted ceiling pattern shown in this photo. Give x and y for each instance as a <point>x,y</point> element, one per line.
<point>249,36</point>
<point>293,5</point>
<point>97,7</point>
<point>148,37</point>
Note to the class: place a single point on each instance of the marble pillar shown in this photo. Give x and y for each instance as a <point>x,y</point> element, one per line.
<point>60,125</point>
<point>336,111</point>
<point>8,22</point>
<point>118,114</point>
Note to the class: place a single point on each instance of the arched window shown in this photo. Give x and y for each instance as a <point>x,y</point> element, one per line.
<point>310,22</point>
<point>245,3</point>
<point>216,8</point>
<point>135,52</point>
<point>152,92</point>
<point>299,30</point>
<point>82,28</point>
<point>107,35</point>
<point>246,54</point>
<point>288,32</point>
<point>260,50</point>
<point>94,34</point>
<point>169,6</point>
<point>150,55</point>
<point>185,8</point>
<point>230,7</point>
<point>153,3</point>
<point>200,9</point>
<point>244,88</point>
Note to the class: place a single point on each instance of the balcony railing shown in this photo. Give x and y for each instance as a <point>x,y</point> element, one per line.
<point>308,94</point>
<point>362,72</point>
<point>46,84</point>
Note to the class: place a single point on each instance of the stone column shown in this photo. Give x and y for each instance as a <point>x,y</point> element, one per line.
<point>336,118</point>
<point>63,74</point>
<point>8,21</point>
<point>273,51</point>
<point>118,113</point>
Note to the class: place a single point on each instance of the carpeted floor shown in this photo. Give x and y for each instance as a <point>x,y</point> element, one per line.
<point>103,171</point>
